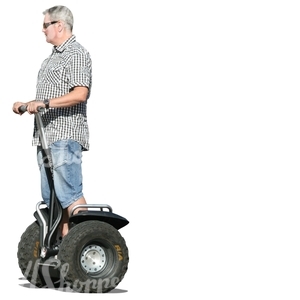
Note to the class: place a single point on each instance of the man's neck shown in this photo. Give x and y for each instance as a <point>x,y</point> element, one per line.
<point>62,39</point>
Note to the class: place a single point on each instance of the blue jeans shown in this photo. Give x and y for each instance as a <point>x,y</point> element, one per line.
<point>67,172</point>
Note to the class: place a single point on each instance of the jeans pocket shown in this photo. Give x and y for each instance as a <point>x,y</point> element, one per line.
<point>59,153</point>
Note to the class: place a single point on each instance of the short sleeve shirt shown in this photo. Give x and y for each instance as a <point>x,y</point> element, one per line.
<point>68,66</point>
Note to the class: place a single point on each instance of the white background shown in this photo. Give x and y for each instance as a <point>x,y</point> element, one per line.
<point>194,121</point>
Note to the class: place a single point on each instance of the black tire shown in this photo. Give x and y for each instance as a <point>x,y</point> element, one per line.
<point>94,257</point>
<point>29,254</point>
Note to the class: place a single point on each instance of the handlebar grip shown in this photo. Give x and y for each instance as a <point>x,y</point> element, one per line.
<point>41,109</point>
<point>22,108</point>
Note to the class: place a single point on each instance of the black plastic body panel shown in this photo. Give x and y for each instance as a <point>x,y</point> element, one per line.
<point>108,217</point>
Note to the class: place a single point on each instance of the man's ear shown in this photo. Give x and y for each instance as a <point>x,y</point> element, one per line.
<point>60,26</point>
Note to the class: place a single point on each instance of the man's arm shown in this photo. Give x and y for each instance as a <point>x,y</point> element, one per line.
<point>77,95</point>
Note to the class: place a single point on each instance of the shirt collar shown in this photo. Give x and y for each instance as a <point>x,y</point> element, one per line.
<point>65,44</point>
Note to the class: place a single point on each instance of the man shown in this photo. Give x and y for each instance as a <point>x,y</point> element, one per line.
<point>63,87</point>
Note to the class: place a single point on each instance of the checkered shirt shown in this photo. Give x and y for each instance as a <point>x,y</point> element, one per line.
<point>68,66</point>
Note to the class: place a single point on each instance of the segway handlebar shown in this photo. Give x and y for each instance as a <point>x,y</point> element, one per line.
<point>23,108</point>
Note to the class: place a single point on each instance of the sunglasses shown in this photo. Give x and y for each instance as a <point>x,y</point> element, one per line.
<point>46,25</point>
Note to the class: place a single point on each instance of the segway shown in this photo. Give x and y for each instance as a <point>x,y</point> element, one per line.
<point>91,258</point>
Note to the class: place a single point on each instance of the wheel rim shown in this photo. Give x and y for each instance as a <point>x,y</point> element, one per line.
<point>93,259</point>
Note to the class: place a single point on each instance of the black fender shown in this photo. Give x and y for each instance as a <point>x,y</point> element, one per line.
<point>109,217</point>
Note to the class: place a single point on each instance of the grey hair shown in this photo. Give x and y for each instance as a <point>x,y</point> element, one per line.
<point>61,13</point>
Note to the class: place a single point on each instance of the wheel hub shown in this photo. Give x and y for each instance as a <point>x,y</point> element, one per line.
<point>93,259</point>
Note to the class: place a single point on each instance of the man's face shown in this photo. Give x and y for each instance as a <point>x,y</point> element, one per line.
<point>50,29</point>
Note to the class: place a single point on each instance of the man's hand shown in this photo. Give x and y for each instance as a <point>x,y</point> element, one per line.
<point>16,107</point>
<point>33,106</point>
